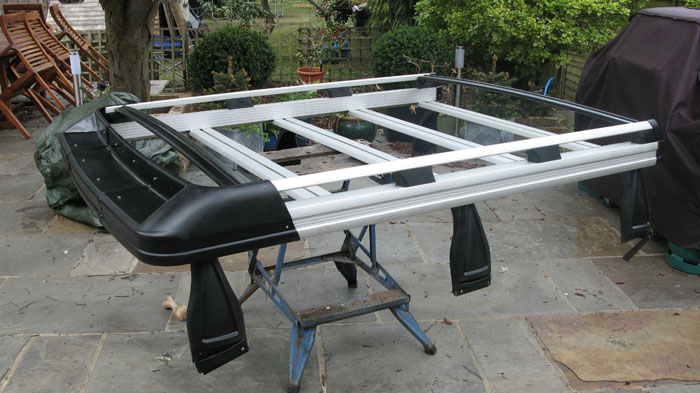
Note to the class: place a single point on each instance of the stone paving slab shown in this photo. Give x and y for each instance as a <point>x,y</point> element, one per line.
<point>651,282</point>
<point>511,358</point>
<point>620,390</point>
<point>61,224</point>
<point>515,207</point>
<point>395,244</point>
<point>41,255</point>
<point>641,345</point>
<point>85,304</point>
<point>54,364</point>
<point>19,187</point>
<point>549,239</point>
<point>587,287</point>
<point>434,239</point>
<point>654,247</point>
<point>17,164</point>
<point>11,346</point>
<point>103,255</point>
<point>305,288</point>
<point>21,218</point>
<point>381,358</point>
<point>568,201</point>
<point>694,388</point>
<point>162,363</point>
<point>16,146</point>
<point>578,385</point>
<point>521,290</point>
<point>445,215</point>
<point>12,141</point>
<point>39,196</point>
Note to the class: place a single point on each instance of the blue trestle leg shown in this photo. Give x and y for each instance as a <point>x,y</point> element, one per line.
<point>300,348</point>
<point>304,322</point>
<point>406,318</point>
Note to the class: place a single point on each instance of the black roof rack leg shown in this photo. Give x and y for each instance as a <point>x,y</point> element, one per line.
<point>215,325</point>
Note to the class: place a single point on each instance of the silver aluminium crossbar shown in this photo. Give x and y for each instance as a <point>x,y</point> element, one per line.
<point>282,206</point>
<point>315,210</point>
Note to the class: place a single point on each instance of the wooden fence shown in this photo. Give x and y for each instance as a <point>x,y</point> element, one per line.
<point>347,53</point>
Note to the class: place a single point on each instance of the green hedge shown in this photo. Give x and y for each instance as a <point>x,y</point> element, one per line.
<point>249,50</point>
<point>411,50</point>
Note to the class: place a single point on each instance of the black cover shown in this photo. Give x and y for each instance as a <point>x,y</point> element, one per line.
<point>650,70</point>
<point>470,257</point>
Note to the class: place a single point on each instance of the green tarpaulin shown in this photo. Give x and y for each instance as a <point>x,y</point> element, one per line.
<point>61,194</point>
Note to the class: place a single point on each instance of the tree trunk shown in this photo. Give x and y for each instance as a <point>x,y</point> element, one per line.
<point>269,16</point>
<point>129,35</point>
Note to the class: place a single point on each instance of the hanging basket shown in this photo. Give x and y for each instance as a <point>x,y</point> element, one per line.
<point>310,74</point>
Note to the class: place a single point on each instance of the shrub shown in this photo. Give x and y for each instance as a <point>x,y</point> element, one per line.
<point>392,13</point>
<point>526,32</point>
<point>410,50</point>
<point>248,49</point>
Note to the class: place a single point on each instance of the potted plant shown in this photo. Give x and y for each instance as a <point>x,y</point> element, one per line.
<point>250,135</point>
<point>354,128</point>
<point>277,138</point>
<point>310,52</point>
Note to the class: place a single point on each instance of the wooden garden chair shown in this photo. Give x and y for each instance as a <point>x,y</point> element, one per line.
<point>29,7</point>
<point>51,41</point>
<point>33,70</point>
<point>84,46</point>
<point>58,51</point>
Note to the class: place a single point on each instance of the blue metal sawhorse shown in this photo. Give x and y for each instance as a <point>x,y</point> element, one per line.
<point>305,321</point>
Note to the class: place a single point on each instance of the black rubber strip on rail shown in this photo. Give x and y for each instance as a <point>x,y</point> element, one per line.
<point>200,157</point>
<point>596,113</point>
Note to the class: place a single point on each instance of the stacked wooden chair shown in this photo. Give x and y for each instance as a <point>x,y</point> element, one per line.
<point>37,64</point>
<point>24,7</point>
<point>84,46</point>
<point>57,50</point>
<point>31,72</point>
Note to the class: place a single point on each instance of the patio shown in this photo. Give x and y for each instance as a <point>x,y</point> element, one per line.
<point>78,313</point>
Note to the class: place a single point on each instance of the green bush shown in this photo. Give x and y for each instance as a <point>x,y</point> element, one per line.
<point>392,13</point>
<point>527,33</point>
<point>248,49</point>
<point>410,50</point>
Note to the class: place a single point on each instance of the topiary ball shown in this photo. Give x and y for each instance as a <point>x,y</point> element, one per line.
<point>411,50</point>
<point>249,50</point>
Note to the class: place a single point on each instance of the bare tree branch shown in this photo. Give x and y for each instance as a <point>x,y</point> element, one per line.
<point>316,5</point>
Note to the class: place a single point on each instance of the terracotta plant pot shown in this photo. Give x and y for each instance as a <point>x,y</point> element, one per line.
<point>310,74</point>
